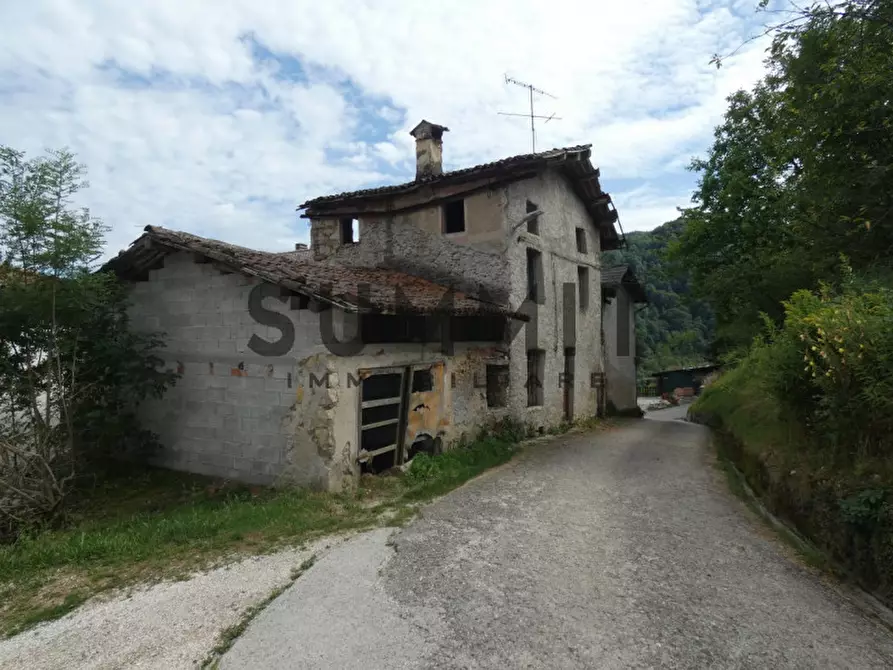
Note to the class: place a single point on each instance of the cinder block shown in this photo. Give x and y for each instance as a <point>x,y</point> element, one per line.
<point>252,384</point>
<point>222,461</point>
<point>220,379</point>
<point>224,409</point>
<point>195,381</point>
<point>277,385</point>
<point>244,411</point>
<point>244,465</point>
<point>248,425</point>
<point>215,395</point>
<point>232,448</point>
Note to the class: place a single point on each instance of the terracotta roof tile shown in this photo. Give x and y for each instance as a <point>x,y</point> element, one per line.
<point>356,289</point>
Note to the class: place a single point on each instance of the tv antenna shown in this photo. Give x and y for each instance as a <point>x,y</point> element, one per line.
<point>531,90</point>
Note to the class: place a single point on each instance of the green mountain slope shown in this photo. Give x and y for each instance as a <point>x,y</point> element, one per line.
<point>673,329</point>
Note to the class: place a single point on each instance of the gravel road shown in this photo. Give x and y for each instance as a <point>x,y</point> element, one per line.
<point>621,549</point>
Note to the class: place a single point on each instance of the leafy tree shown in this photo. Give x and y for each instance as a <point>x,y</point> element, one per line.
<point>800,169</point>
<point>71,372</point>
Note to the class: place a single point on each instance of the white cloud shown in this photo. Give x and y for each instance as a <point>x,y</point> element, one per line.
<point>220,118</point>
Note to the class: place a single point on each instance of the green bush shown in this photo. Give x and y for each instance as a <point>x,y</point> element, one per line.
<point>832,364</point>
<point>806,416</point>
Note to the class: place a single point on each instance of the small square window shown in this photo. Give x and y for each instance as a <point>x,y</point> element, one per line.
<point>497,385</point>
<point>581,240</point>
<point>454,217</point>
<point>533,225</point>
<point>349,231</point>
<point>422,381</point>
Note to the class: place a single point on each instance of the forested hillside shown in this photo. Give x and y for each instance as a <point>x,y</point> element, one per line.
<point>673,329</point>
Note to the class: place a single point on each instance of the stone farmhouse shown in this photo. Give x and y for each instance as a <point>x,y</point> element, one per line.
<point>419,312</point>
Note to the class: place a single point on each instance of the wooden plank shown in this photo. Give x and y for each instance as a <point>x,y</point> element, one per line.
<point>366,455</point>
<point>377,424</point>
<point>395,400</point>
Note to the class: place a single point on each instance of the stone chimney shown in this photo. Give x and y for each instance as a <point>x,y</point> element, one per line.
<point>300,246</point>
<point>428,149</point>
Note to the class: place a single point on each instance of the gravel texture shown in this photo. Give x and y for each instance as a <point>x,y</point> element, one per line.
<point>167,625</point>
<point>621,549</point>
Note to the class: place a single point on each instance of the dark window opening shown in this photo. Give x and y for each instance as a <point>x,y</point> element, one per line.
<point>536,370</point>
<point>497,385</point>
<point>379,328</point>
<point>422,381</point>
<point>477,328</point>
<point>583,283</point>
<point>377,387</point>
<point>401,328</point>
<point>581,240</point>
<point>454,217</point>
<point>380,413</point>
<point>533,225</point>
<point>350,231</point>
<point>535,275</point>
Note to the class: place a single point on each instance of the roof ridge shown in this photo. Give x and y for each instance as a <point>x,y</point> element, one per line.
<point>508,161</point>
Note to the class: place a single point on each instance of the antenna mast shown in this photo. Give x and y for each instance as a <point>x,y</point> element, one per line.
<point>531,90</point>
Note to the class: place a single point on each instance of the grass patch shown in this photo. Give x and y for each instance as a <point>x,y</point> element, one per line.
<point>154,524</point>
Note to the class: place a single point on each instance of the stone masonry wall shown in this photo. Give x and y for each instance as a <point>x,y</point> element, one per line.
<point>404,247</point>
<point>563,212</point>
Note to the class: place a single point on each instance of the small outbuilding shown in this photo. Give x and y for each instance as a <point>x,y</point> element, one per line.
<point>683,381</point>
<point>621,291</point>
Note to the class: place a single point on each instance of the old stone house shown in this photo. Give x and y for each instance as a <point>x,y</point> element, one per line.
<point>621,292</point>
<point>419,312</point>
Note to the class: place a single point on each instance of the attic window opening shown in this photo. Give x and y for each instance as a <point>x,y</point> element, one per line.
<point>350,231</point>
<point>454,217</point>
<point>581,240</point>
<point>533,225</point>
<point>422,381</point>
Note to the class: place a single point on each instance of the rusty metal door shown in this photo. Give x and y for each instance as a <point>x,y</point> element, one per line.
<point>426,407</point>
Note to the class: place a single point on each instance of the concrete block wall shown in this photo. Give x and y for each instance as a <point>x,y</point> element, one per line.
<point>231,413</point>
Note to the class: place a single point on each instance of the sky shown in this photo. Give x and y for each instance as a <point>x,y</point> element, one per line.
<point>219,118</point>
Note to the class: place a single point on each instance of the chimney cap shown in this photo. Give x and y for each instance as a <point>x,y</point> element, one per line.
<point>427,130</point>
